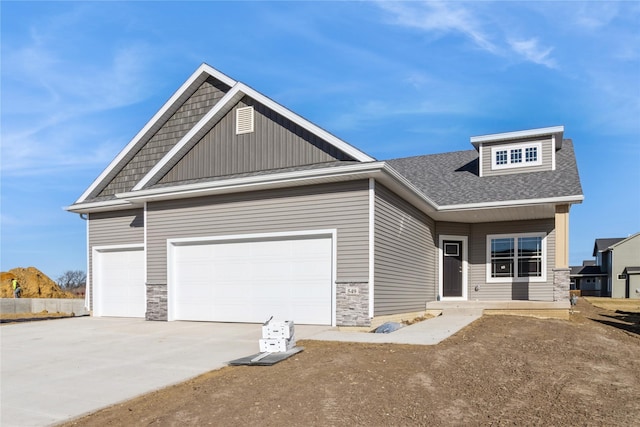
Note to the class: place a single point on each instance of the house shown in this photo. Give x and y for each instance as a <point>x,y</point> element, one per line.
<point>588,278</point>
<point>619,261</point>
<point>229,207</point>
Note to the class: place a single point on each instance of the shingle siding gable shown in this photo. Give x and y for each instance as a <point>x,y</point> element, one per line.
<point>205,97</point>
<point>275,143</point>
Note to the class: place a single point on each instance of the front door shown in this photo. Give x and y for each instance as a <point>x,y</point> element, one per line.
<point>452,269</point>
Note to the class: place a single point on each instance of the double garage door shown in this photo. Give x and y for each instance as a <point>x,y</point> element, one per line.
<point>252,280</point>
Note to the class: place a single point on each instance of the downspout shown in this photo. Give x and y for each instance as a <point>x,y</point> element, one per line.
<point>87,288</point>
<point>372,210</point>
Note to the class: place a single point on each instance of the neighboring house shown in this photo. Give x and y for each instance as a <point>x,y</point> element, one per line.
<point>619,260</point>
<point>588,279</point>
<point>226,206</point>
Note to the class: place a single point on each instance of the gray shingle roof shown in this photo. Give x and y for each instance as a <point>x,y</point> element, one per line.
<point>589,270</point>
<point>452,178</point>
<point>603,244</point>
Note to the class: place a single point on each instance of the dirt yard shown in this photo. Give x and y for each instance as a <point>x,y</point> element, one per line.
<point>501,370</point>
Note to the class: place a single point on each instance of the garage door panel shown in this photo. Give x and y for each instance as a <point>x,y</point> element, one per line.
<point>119,282</point>
<point>250,281</point>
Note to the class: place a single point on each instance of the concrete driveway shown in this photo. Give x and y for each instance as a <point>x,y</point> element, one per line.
<point>55,370</point>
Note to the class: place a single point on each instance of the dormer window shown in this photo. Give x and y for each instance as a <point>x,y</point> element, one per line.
<point>513,156</point>
<point>520,151</point>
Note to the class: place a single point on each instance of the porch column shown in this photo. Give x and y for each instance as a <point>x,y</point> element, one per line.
<point>562,236</point>
<point>561,270</point>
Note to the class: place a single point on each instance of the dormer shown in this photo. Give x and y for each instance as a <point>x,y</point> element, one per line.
<point>518,152</point>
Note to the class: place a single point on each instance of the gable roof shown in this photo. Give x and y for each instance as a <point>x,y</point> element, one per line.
<point>452,179</point>
<point>236,92</point>
<point>447,186</point>
<point>623,241</point>
<point>601,245</point>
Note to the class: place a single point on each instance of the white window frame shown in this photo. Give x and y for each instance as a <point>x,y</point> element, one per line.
<point>516,236</point>
<point>523,158</point>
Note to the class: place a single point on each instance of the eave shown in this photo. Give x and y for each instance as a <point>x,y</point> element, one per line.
<point>469,213</point>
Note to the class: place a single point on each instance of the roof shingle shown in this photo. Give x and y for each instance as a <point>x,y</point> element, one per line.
<point>453,179</point>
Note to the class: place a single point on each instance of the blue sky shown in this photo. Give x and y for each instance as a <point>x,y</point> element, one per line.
<point>395,79</point>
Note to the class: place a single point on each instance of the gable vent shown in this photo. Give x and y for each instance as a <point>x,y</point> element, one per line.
<point>244,120</point>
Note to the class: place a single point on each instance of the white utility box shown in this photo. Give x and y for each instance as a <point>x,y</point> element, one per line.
<point>276,345</point>
<point>284,329</point>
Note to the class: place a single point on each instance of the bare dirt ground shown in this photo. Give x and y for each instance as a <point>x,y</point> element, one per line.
<point>34,284</point>
<point>501,370</point>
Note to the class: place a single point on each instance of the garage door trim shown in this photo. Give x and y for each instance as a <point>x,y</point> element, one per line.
<point>172,244</point>
<point>95,257</point>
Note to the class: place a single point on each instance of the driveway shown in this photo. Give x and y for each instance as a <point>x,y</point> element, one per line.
<point>55,370</point>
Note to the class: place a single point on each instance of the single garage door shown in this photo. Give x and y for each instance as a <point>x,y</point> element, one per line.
<point>119,288</point>
<point>250,281</point>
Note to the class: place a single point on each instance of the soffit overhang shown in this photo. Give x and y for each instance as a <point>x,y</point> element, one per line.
<point>512,210</point>
<point>556,131</point>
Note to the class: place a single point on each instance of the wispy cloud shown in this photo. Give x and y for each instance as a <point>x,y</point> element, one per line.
<point>50,98</point>
<point>440,18</point>
<point>595,15</point>
<point>533,52</point>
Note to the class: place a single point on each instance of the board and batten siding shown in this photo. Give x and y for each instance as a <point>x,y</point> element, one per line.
<point>547,157</point>
<point>341,206</point>
<point>115,228</point>
<point>275,143</point>
<point>181,122</point>
<point>536,291</point>
<point>404,255</point>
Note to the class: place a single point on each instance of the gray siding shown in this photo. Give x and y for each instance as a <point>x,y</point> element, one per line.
<point>341,206</point>
<point>547,158</point>
<point>505,291</point>
<point>626,254</point>
<point>275,143</point>
<point>205,97</point>
<point>114,228</point>
<point>405,255</point>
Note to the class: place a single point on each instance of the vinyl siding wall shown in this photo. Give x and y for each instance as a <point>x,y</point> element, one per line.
<point>341,206</point>
<point>114,228</point>
<point>547,157</point>
<point>404,256</point>
<point>626,254</point>
<point>477,234</point>
<point>205,97</point>
<point>275,143</point>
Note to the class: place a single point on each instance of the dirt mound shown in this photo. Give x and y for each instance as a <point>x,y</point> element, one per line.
<point>34,284</point>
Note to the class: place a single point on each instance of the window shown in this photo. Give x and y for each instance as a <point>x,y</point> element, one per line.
<point>531,154</point>
<point>519,257</point>
<point>516,156</point>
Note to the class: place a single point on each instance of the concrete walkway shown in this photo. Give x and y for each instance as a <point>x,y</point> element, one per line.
<point>428,332</point>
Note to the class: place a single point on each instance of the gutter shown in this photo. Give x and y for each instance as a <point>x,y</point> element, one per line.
<point>379,170</point>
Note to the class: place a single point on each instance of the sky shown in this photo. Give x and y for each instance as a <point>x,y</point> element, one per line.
<point>395,79</point>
